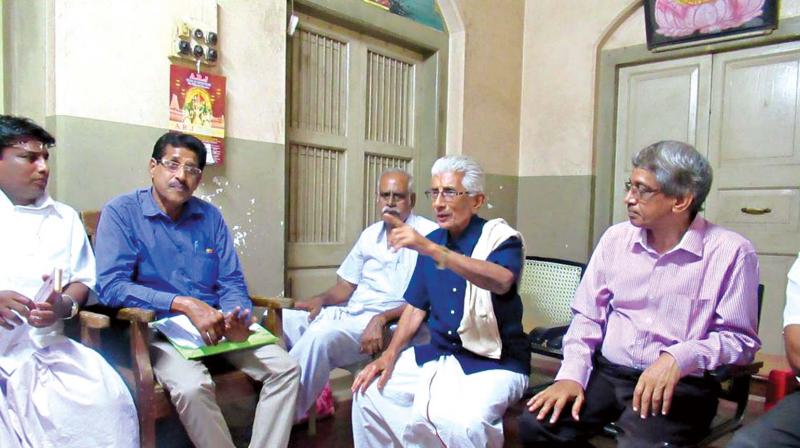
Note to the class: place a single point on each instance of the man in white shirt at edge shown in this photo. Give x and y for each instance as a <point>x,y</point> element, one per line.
<point>779,427</point>
<point>50,386</point>
<point>345,324</point>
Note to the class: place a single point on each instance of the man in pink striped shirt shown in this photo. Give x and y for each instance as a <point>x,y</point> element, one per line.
<point>666,296</point>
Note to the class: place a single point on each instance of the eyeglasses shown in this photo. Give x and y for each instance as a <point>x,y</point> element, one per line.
<point>391,196</point>
<point>173,167</point>
<point>448,194</point>
<point>33,150</point>
<point>640,192</point>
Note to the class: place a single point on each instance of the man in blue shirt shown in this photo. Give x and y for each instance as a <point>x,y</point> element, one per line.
<point>163,249</point>
<point>455,390</point>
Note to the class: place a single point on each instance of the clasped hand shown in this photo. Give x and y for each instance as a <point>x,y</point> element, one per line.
<point>213,325</point>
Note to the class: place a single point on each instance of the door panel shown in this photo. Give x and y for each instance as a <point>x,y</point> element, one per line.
<point>754,148</point>
<point>659,101</point>
<point>353,111</point>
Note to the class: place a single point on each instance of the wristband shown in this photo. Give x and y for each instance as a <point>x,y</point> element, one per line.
<point>73,311</point>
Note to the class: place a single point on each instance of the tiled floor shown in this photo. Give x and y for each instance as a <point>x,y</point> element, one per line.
<point>336,431</point>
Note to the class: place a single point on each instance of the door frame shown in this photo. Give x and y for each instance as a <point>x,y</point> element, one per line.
<point>605,111</point>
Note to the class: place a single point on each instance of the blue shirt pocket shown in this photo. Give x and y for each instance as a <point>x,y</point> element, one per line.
<point>206,269</point>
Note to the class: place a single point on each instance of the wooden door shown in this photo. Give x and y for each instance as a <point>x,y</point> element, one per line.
<point>357,105</point>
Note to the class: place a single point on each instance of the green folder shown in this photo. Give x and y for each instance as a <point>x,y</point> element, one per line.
<point>259,336</point>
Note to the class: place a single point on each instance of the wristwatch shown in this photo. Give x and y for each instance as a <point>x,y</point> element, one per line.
<point>74,309</point>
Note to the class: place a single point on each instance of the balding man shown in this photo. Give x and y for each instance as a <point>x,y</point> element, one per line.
<point>345,324</point>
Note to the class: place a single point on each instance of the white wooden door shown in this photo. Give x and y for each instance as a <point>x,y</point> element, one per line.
<point>357,105</point>
<point>660,101</point>
<point>754,149</point>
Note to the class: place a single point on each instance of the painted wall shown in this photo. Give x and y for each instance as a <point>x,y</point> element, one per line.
<point>107,101</point>
<point>488,97</point>
<point>557,115</point>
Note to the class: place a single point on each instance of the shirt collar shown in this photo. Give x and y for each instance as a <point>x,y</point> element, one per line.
<point>469,237</point>
<point>150,208</point>
<point>691,241</point>
<point>44,202</point>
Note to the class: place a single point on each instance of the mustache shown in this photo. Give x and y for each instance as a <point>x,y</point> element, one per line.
<point>177,183</point>
<point>391,211</point>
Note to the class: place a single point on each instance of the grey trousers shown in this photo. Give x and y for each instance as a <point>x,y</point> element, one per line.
<point>777,428</point>
<point>192,392</point>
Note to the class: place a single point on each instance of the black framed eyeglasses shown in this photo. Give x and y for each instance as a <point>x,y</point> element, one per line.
<point>447,193</point>
<point>173,167</point>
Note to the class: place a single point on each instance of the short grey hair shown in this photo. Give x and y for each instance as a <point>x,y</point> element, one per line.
<point>679,169</point>
<point>396,170</point>
<point>473,173</point>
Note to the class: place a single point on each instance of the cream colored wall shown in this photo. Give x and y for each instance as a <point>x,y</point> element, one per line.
<point>492,77</point>
<point>560,40</point>
<point>117,51</point>
<point>558,76</point>
<point>97,75</point>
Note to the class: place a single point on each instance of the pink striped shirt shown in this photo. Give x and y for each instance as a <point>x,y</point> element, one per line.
<point>698,302</point>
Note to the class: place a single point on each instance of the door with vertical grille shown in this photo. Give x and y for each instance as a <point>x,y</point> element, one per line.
<point>356,107</point>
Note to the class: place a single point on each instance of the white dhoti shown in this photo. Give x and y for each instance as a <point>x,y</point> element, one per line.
<point>436,404</point>
<point>66,395</point>
<point>330,341</point>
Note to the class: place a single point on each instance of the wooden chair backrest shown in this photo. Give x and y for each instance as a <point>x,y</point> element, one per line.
<point>90,219</point>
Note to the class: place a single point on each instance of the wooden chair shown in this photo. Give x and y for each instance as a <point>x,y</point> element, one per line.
<point>152,400</point>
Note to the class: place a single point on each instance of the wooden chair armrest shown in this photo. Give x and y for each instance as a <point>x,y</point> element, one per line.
<point>91,324</point>
<point>136,315</point>
<point>273,302</point>
<point>93,320</point>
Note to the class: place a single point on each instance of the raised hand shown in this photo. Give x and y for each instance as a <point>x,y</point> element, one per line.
<point>403,235</point>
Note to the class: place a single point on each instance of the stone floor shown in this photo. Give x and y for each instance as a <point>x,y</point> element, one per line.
<point>336,431</point>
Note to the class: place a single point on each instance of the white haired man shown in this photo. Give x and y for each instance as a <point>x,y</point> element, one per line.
<point>346,323</point>
<point>456,389</point>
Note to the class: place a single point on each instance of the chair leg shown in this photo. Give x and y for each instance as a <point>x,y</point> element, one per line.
<point>312,420</point>
<point>147,433</point>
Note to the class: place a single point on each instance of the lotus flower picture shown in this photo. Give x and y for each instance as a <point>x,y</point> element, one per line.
<point>689,22</point>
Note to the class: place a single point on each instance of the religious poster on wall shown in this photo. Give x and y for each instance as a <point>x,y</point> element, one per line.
<point>425,12</point>
<point>197,107</point>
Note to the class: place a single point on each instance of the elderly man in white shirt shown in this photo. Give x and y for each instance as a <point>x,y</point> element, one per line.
<point>345,324</point>
<point>50,386</point>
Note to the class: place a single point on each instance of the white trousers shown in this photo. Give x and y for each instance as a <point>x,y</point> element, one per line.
<point>331,340</point>
<point>435,405</point>
<point>66,395</point>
